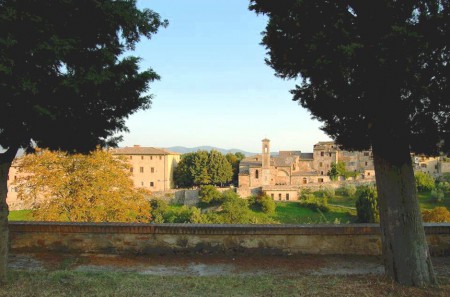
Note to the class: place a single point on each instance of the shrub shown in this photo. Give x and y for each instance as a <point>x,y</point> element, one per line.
<point>230,195</point>
<point>329,192</point>
<point>315,203</point>
<point>437,195</point>
<point>263,203</point>
<point>367,205</point>
<point>444,186</point>
<point>209,194</point>
<point>424,181</point>
<point>158,209</point>
<point>348,190</point>
<point>437,215</point>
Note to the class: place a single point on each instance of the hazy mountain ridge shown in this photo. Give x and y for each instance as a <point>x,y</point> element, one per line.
<point>184,150</point>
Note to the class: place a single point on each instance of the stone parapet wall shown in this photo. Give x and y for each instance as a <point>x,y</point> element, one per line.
<point>114,238</point>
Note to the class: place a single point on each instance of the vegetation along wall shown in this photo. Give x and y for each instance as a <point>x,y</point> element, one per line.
<point>360,239</point>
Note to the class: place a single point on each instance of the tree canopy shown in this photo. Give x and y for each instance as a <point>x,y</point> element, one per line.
<point>376,74</point>
<point>65,82</point>
<point>80,188</point>
<point>361,62</point>
<point>203,168</point>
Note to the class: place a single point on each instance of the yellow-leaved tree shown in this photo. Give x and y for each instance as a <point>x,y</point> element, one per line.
<point>80,188</point>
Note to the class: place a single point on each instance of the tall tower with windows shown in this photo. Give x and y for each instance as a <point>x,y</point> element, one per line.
<point>265,172</point>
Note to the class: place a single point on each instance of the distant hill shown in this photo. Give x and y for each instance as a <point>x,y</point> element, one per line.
<point>184,150</point>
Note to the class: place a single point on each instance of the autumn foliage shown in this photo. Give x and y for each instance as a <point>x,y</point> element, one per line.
<point>80,188</point>
<point>436,215</point>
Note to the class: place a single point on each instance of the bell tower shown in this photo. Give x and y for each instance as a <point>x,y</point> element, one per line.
<point>265,174</point>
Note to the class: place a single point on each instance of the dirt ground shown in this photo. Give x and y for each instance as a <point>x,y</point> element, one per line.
<point>210,265</point>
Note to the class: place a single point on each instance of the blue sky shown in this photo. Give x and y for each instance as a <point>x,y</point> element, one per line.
<point>215,88</point>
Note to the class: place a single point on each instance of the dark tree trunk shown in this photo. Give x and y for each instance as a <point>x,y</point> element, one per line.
<point>5,164</point>
<point>405,250</point>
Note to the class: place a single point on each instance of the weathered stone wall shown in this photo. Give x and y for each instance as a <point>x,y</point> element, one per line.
<point>363,239</point>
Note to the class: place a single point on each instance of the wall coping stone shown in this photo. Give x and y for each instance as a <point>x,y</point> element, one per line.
<point>211,229</point>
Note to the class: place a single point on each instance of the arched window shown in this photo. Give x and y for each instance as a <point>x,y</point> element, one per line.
<point>256,174</point>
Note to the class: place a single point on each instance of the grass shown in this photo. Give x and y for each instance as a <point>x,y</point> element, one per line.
<point>426,201</point>
<point>72,283</point>
<point>293,213</point>
<point>20,215</point>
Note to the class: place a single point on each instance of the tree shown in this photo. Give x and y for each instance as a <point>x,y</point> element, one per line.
<point>333,172</point>
<point>234,160</point>
<point>81,188</point>
<point>375,73</point>
<point>202,168</point>
<point>424,181</point>
<point>367,205</point>
<point>65,82</point>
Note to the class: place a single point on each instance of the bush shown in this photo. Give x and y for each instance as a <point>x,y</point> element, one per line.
<point>367,205</point>
<point>315,203</point>
<point>158,209</point>
<point>437,215</point>
<point>209,194</point>
<point>230,195</point>
<point>329,192</point>
<point>263,203</point>
<point>348,190</point>
<point>437,195</point>
<point>444,186</point>
<point>424,181</point>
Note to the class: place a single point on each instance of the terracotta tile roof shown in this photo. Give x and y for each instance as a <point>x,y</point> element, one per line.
<point>139,150</point>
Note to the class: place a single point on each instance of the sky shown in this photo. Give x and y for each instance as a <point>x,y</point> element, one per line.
<point>215,87</point>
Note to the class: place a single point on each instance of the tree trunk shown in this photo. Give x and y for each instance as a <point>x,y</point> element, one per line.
<point>405,250</point>
<point>5,164</point>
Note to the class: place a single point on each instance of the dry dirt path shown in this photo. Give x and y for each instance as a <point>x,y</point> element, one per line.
<point>211,265</point>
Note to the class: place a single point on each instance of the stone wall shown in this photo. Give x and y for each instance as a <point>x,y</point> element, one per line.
<point>114,238</point>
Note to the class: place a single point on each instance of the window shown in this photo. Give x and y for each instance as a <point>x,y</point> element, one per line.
<point>321,154</point>
<point>265,150</point>
<point>160,157</point>
<point>142,183</point>
<point>152,170</point>
<point>131,169</point>
<point>131,157</point>
<point>279,196</point>
<point>141,169</point>
<point>320,164</point>
<point>320,180</point>
<point>423,165</point>
<point>142,157</point>
<point>366,154</point>
<point>305,180</point>
<point>256,174</point>
<point>368,173</point>
<point>330,154</point>
<point>151,157</point>
<point>272,196</point>
<point>152,184</point>
<point>287,196</point>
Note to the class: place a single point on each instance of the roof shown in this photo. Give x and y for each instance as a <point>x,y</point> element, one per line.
<point>139,150</point>
<point>283,161</point>
<point>307,156</point>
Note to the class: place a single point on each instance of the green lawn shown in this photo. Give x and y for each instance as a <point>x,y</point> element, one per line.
<point>294,213</point>
<point>20,215</point>
<point>426,201</point>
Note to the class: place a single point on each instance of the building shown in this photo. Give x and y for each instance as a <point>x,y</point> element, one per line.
<point>280,176</point>
<point>151,168</point>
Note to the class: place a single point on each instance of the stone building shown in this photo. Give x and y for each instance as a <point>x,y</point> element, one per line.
<point>280,176</point>
<point>151,168</point>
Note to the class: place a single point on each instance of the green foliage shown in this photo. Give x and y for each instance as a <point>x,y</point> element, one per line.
<point>209,194</point>
<point>263,203</point>
<point>311,201</point>
<point>333,172</point>
<point>234,160</point>
<point>437,195</point>
<point>202,168</point>
<point>367,205</point>
<point>67,82</point>
<point>329,192</point>
<point>348,190</point>
<point>424,181</point>
<point>158,209</point>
